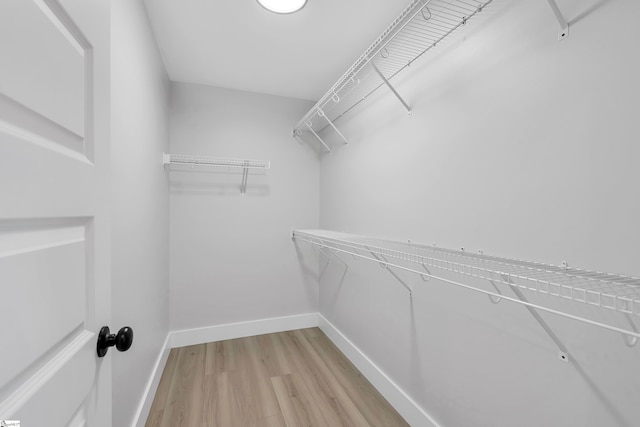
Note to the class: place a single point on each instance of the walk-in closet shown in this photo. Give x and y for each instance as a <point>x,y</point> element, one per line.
<point>330,213</point>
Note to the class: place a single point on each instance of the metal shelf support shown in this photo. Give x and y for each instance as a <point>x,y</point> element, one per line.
<point>243,185</point>
<point>629,340</point>
<point>563,353</point>
<point>323,115</point>
<point>385,264</point>
<point>384,79</point>
<point>564,25</point>
<point>317,137</point>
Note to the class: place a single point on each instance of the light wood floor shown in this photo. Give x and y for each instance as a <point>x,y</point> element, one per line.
<point>297,378</point>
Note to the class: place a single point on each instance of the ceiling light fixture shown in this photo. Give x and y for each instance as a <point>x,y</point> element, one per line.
<point>282,6</point>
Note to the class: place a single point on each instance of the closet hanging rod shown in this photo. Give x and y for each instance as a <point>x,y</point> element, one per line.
<point>599,290</point>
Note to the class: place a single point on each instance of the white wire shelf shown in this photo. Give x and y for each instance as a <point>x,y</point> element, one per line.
<point>217,164</point>
<point>608,292</point>
<point>419,28</point>
<point>220,162</point>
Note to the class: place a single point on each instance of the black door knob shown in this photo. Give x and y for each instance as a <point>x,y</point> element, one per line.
<point>122,340</point>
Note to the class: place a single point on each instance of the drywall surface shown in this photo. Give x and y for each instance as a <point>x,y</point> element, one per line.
<point>140,201</point>
<point>519,145</point>
<point>232,258</point>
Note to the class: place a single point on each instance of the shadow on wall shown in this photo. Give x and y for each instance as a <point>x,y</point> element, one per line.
<point>340,281</point>
<point>307,260</point>
<point>307,269</point>
<point>588,11</point>
<point>218,183</point>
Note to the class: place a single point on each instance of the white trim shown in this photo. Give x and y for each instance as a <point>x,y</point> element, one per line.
<point>36,382</point>
<point>142,413</point>
<point>405,405</point>
<point>211,334</point>
<point>242,329</point>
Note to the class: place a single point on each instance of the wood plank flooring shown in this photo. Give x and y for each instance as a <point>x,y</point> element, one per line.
<point>293,379</point>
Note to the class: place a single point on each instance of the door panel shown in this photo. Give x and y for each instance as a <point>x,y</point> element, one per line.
<point>60,389</point>
<point>46,266</point>
<point>42,178</point>
<point>54,217</point>
<point>25,124</point>
<point>47,73</point>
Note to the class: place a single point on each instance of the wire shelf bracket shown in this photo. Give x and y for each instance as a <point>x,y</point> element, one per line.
<point>330,123</point>
<point>603,292</point>
<point>419,28</point>
<point>324,144</point>
<point>564,25</point>
<point>385,264</point>
<point>386,82</point>
<point>563,353</point>
<point>217,163</point>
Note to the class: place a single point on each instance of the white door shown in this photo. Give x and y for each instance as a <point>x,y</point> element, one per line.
<point>54,218</point>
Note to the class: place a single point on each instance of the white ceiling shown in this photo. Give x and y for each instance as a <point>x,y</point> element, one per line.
<point>237,44</point>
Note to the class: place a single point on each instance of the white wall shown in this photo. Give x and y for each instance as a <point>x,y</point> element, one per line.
<point>519,145</point>
<point>140,200</point>
<point>232,258</point>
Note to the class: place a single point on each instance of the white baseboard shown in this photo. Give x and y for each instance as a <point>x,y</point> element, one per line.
<point>242,329</point>
<point>150,390</point>
<point>211,334</point>
<point>407,407</point>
